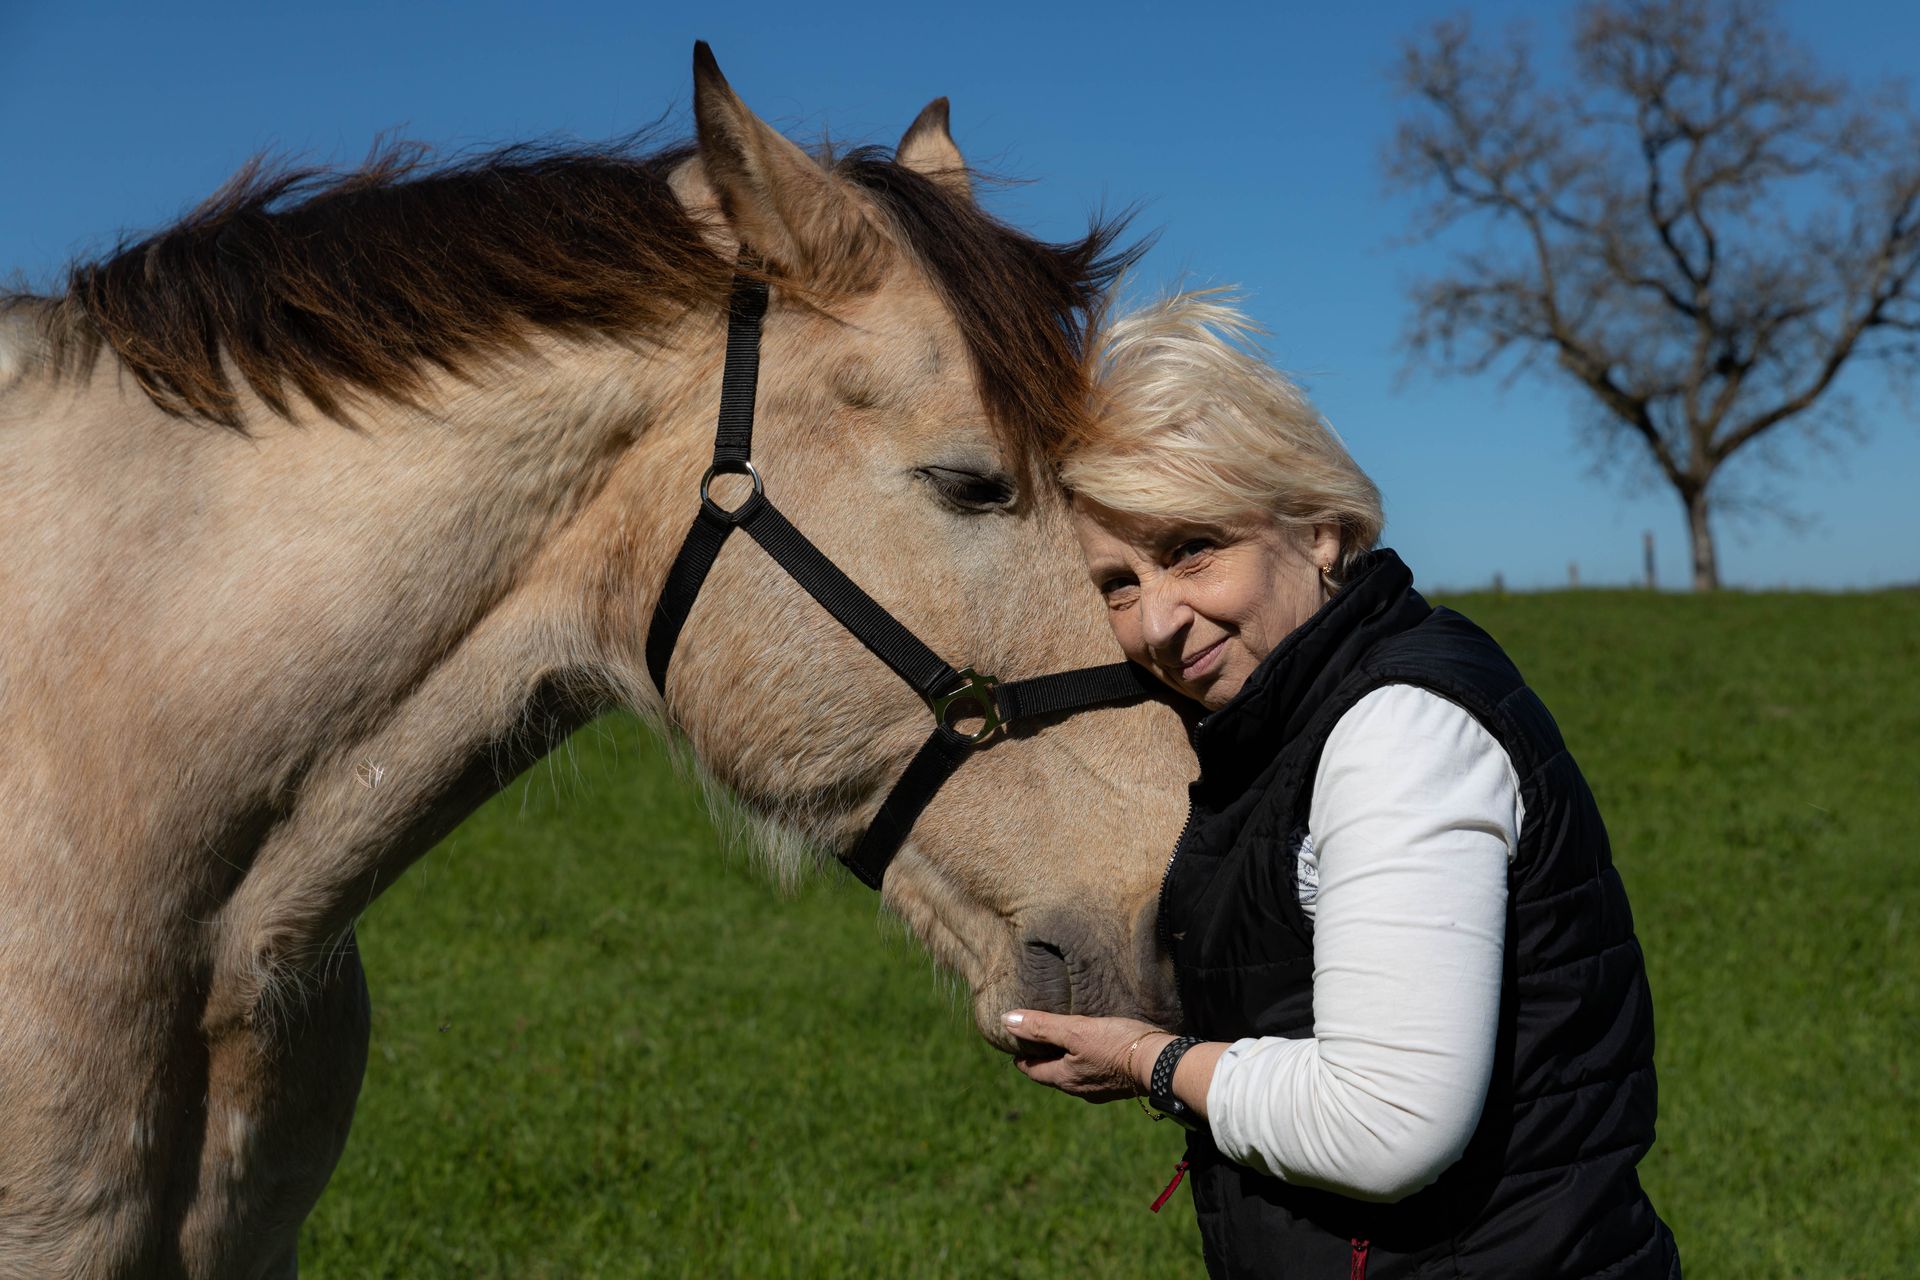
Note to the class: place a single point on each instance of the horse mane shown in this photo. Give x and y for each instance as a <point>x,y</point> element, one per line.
<point>321,284</point>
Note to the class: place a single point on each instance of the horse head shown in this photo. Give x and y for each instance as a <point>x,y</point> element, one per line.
<point>919,360</point>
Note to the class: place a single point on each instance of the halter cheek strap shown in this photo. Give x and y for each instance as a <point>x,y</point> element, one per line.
<point>950,694</point>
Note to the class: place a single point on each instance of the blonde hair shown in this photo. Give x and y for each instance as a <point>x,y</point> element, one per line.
<point>1190,421</point>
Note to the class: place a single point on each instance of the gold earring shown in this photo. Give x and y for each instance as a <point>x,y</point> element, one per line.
<point>1326,576</point>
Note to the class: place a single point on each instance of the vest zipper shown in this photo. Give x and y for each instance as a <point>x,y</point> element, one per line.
<point>1166,874</point>
<point>1179,1172</point>
<point>1357,1265</point>
<point>1160,911</point>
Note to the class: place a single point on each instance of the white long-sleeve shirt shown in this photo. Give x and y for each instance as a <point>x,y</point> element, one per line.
<point>1415,816</point>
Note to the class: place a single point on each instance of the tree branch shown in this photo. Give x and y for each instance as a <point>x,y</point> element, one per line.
<point>1704,237</point>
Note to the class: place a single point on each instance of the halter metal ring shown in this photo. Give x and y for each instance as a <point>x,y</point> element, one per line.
<point>740,468</point>
<point>978,690</point>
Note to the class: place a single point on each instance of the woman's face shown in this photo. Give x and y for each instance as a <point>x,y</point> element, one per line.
<point>1200,605</point>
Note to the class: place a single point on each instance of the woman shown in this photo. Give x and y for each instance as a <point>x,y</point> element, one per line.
<point>1420,1037</point>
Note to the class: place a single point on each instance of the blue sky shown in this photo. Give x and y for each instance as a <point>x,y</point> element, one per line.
<point>1249,135</point>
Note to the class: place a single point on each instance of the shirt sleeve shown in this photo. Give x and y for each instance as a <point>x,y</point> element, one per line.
<point>1415,815</point>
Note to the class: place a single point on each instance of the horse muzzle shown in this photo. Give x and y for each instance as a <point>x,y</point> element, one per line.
<point>1073,963</point>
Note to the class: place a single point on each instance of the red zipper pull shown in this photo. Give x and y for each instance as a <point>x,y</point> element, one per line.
<point>1179,1172</point>
<point>1357,1268</point>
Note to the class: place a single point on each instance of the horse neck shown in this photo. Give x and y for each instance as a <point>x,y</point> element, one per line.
<point>236,628</point>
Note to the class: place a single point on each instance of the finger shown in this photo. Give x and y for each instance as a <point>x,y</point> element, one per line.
<point>1033,1025</point>
<point>1047,1071</point>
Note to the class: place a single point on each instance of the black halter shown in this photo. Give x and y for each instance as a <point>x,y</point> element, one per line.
<point>949,693</point>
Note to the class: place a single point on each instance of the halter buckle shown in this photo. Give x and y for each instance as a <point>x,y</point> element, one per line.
<point>978,690</point>
<point>740,468</point>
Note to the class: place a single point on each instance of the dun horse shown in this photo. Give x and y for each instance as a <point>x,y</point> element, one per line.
<point>329,509</point>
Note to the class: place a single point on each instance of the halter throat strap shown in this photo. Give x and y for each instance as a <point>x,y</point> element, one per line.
<point>949,693</point>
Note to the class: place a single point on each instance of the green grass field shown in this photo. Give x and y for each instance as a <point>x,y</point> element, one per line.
<point>602,1047</point>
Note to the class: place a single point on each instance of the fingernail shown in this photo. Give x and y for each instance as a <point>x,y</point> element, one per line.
<point>1014,1019</point>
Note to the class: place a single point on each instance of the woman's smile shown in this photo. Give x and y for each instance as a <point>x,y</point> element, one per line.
<point>1205,662</point>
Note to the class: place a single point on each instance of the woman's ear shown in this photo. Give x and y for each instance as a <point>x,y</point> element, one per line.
<point>1324,548</point>
<point>769,192</point>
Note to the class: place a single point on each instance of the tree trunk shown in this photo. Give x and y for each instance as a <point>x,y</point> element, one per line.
<point>1706,569</point>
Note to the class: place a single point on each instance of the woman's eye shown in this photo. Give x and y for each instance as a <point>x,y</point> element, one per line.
<point>1118,591</point>
<point>1191,548</point>
<point>969,490</point>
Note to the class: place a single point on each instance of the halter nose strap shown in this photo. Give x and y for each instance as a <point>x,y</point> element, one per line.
<point>945,690</point>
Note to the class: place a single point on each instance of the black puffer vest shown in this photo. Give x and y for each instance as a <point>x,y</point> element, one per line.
<point>1548,1185</point>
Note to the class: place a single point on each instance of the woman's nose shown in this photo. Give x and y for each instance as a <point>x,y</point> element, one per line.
<point>1164,613</point>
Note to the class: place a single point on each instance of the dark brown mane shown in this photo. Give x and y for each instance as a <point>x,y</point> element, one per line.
<point>316,284</point>
<point>312,282</point>
<point>1026,308</point>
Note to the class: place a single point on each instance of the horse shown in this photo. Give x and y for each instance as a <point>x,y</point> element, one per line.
<point>332,507</point>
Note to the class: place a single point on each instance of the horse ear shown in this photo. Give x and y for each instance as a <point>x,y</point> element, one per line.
<point>928,149</point>
<point>792,212</point>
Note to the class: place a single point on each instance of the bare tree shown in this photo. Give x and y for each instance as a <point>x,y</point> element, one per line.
<point>1701,230</point>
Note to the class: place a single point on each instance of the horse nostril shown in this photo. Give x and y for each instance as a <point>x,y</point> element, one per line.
<point>1045,975</point>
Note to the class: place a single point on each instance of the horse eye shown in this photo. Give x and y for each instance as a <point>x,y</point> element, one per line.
<point>969,490</point>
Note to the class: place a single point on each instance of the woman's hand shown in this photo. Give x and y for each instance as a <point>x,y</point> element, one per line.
<point>1092,1063</point>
